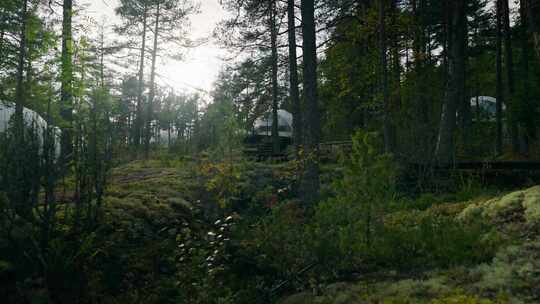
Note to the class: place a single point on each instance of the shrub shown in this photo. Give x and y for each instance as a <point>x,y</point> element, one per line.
<point>345,226</point>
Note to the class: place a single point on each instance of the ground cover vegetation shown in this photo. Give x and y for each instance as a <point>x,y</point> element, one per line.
<point>117,189</point>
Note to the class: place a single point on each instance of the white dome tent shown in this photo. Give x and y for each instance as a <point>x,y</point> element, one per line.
<point>31,119</point>
<point>263,125</point>
<point>484,108</point>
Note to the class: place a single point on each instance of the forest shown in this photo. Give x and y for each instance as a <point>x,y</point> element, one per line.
<point>349,151</point>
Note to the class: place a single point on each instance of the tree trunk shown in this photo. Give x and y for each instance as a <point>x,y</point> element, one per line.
<point>293,78</point>
<point>310,181</point>
<point>17,166</point>
<point>66,98</point>
<point>387,129</point>
<point>139,108</point>
<point>509,60</point>
<point>19,94</point>
<point>152,93</point>
<point>500,89</point>
<point>421,105</point>
<point>273,34</point>
<point>396,56</point>
<point>534,21</point>
<point>525,125</point>
<point>455,85</point>
<point>464,108</point>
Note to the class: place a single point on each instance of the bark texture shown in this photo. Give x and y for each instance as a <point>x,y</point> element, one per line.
<point>293,77</point>
<point>310,180</point>
<point>455,86</point>
<point>66,95</point>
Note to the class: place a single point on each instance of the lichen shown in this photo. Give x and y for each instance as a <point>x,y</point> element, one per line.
<point>531,203</point>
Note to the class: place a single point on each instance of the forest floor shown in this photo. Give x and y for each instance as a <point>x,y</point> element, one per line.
<point>136,251</point>
<point>147,199</point>
<point>512,276</point>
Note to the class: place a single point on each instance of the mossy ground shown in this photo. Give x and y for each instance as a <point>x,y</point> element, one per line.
<point>159,193</point>
<point>512,276</point>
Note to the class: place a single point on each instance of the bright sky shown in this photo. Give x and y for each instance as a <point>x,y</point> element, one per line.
<point>200,66</point>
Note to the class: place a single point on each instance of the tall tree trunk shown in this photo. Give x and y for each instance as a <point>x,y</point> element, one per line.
<point>66,98</point>
<point>455,85</point>
<point>464,103</point>
<point>525,126</point>
<point>2,34</point>
<point>509,60</point>
<point>534,21</point>
<point>421,106</point>
<point>310,181</point>
<point>152,92</point>
<point>500,88</point>
<point>293,77</point>
<point>102,56</point>
<point>273,34</point>
<point>387,128</point>
<point>18,185</point>
<point>19,90</point>
<point>139,120</point>
<point>396,55</point>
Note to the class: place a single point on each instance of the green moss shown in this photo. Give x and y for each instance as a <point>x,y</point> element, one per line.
<point>531,203</point>
<point>511,209</point>
<point>5,267</point>
<point>509,203</point>
<point>513,271</point>
<point>300,298</point>
<point>462,299</point>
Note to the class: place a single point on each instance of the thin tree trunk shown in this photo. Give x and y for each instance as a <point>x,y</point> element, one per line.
<point>273,34</point>
<point>19,94</point>
<point>500,89</point>
<point>19,192</point>
<point>387,129</point>
<point>66,98</point>
<point>293,78</point>
<point>139,108</point>
<point>310,180</point>
<point>396,56</point>
<point>2,33</point>
<point>152,93</point>
<point>455,86</point>
<point>465,112</point>
<point>102,56</point>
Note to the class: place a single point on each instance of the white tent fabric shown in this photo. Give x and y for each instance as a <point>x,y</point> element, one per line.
<point>31,119</point>
<point>263,124</point>
<point>163,138</point>
<point>487,106</point>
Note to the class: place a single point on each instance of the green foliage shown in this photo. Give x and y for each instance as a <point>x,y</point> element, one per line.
<point>223,182</point>
<point>512,271</point>
<point>462,299</point>
<point>348,223</point>
<point>416,240</point>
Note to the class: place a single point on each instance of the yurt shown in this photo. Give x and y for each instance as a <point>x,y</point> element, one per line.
<point>31,119</point>
<point>263,125</point>
<point>484,108</point>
